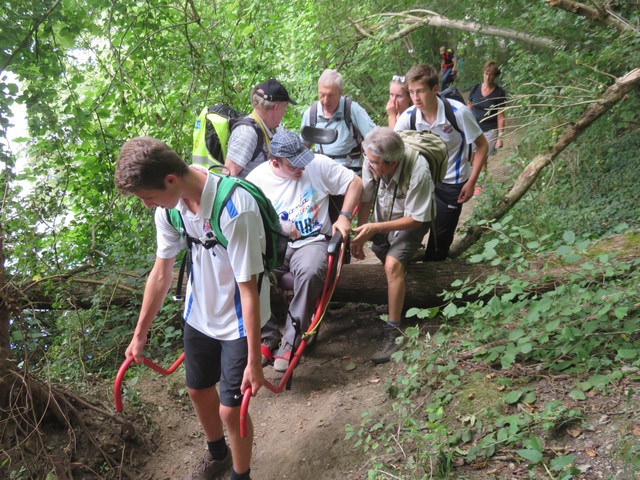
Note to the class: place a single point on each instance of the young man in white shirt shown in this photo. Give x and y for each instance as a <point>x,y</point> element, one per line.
<point>429,113</point>
<point>224,307</point>
<point>299,183</point>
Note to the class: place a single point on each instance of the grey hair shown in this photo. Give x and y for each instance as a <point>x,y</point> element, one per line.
<point>260,103</point>
<point>384,143</point>
<point>331,77</point>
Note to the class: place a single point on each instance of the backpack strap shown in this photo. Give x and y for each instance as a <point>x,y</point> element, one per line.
<point>412,119</point>
<point>265,135</point>
<point>451,118</point>
<point>355,133</point>
<point>175,219</point>
<point>262,136</point>
<point>313,114</point>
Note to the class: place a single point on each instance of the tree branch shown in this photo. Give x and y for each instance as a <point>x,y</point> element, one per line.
<point>25,42</point>
<point>600,16</point>
<point>421,18</point>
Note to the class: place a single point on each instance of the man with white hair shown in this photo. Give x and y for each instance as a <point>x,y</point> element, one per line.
<point>336,111</point>
<point>398,188</point>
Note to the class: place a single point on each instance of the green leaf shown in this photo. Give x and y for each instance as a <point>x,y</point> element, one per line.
<point>572,258</point>
<point>628,353</point>
<point>533,456</point>
<point>577,395</point>
<point>569,237</point>
<point>560,463</point>
<point>513,396</point>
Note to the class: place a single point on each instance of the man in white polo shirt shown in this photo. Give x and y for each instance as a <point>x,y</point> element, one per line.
<point>430,113</point>
<point>224,309</point>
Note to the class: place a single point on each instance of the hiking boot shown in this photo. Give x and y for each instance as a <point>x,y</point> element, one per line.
<point>269,344</point>
<point>283,357</point>
<point>208,468</point>
<point>390,344</point>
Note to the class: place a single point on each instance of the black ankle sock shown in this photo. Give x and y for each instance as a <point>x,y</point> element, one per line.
<point>240,476</point>
<point>218,449</point>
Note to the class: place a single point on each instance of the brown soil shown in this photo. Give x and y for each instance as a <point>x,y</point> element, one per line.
<point>299,433</point>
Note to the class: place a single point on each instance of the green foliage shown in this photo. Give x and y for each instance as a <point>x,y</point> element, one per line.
<point>586,326</point>
<point>90,81</point>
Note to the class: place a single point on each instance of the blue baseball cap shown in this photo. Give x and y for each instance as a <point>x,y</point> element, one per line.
<point>286,144</point>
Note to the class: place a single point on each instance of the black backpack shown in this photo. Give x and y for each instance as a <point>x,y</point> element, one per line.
<point>355,133</point>
<point>210,142</point>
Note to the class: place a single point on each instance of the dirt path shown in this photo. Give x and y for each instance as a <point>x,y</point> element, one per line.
<point>299,434</point>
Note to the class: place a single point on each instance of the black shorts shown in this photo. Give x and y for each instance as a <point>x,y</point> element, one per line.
<point>208,361</point>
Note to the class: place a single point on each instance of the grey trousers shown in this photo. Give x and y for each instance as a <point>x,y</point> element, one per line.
<point>308,264</point>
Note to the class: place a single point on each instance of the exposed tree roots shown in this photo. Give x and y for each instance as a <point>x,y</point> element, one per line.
<point>88,441</point>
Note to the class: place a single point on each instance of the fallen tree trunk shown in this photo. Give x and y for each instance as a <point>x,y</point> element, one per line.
<point>424,282</point>
<point>359,283</point>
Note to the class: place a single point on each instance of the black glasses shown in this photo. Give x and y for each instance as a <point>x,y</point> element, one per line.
<point>398,78</point>
<point>292,168</point>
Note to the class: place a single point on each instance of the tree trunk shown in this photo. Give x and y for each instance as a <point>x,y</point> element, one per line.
<point>424,281</point>
<point>527,178</point>
<point>599,14</point>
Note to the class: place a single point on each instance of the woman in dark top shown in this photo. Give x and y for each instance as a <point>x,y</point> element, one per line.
<point>487,101</point>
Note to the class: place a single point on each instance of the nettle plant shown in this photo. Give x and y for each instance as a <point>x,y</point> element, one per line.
<point>553,306</point>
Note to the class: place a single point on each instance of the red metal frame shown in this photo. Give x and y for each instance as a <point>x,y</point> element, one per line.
<point>117,384</point>
<point>321,308</point>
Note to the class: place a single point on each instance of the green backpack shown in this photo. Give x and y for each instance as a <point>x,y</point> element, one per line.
<point>431,147</point>
<point>276,240</point>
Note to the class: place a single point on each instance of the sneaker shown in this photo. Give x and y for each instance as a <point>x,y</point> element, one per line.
<point>283,356</point>
<point>269,344</point>
<point>208,468</point>
<point>390,344</point>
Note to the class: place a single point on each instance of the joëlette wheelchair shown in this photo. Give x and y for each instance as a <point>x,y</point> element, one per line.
<point>337,252</point>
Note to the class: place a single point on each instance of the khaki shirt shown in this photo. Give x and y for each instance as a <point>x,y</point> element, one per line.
<point>408,193</point>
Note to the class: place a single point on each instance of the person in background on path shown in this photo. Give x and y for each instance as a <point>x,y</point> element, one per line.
<point>448,67</point>
<point>398,186</point>
<point>487,101</point>
<point>399,99</point>
<point>298,183</point>
<point>269,100</point>
<point>225,308</point>
<point>459,182</point>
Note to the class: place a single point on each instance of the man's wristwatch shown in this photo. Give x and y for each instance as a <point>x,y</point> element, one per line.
<point>347,214</point>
